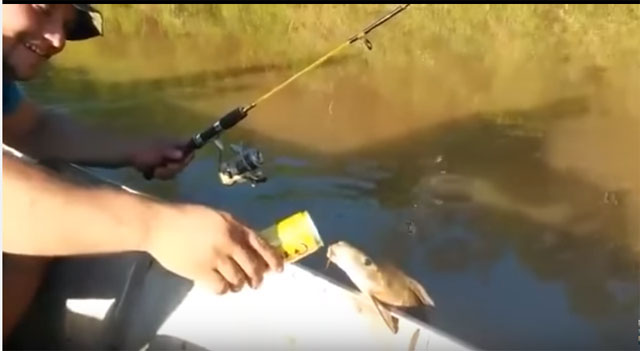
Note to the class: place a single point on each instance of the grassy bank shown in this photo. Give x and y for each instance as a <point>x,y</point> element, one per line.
<point>599,33</point>
<point>477,57</point>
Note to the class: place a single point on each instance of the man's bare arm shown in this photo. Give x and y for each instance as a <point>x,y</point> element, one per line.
<point>52,135</point>
<point>48,134</point>
<point>45,215</point>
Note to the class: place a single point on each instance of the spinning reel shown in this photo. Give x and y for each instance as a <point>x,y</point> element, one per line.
<point>244,165</point>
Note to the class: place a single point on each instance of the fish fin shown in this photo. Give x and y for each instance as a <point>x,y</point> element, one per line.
<point>420,292</point>
<point>414,340</point>
<point>391,321</point>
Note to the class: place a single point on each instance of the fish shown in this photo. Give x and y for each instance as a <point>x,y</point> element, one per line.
<point>384,284</point>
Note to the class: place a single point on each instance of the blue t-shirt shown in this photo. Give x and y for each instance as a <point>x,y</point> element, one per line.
<point>11,97</point>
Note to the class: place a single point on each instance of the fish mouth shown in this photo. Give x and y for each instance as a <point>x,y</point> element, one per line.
<point>329,257</point>
<point>328,264</point>
<point>333,250</point>
<point>336,253</point>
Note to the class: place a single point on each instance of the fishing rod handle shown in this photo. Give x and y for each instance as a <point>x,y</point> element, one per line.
<point>226,122</point>
<point>199,140</point>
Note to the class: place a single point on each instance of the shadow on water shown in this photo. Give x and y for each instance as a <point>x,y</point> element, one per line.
<point>504,199</point>
<point>500,250</point>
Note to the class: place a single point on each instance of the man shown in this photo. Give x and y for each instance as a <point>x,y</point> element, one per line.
<point>45,216</point>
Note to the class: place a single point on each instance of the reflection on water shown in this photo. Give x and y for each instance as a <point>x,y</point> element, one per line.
<point>520,220</point>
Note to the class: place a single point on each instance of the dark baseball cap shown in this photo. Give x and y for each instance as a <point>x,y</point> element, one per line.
<point>88,23</point>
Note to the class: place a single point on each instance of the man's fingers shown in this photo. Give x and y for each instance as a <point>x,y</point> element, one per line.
<point>168,171</point>
<point>178,157</point>
<point>270,255</point>
<point>173,161</point>
<point>164,173</point>
<point>214,282</point>
<point>189,158</point>
<point>251,263</point>
<point>172,168</point>
<point>174,154</point>
<point>232,273</point>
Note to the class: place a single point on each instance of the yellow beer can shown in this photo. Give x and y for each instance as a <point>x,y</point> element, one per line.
<point>295,237</point>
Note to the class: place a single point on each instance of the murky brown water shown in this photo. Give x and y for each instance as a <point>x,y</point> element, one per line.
<point>512,194</point>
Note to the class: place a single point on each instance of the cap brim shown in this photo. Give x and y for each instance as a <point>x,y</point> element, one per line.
<point>88,23</point>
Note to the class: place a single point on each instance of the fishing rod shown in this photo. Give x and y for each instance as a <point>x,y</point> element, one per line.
<point>246,166</point>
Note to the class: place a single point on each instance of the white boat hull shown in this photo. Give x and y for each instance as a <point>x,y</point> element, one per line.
<point>297,309</point>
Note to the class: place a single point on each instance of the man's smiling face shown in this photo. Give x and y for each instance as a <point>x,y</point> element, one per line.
<point>33,33</point>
